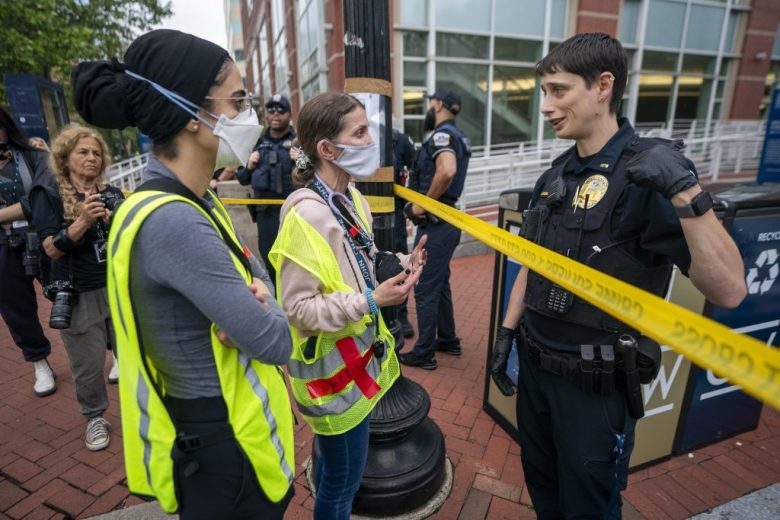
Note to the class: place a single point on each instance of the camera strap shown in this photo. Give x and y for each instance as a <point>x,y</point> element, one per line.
<point>177,188</point>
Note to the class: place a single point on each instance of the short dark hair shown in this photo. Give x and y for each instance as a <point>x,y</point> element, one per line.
<point>588,55</point>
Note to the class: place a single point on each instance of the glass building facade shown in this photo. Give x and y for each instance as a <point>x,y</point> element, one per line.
<point>686,57</point>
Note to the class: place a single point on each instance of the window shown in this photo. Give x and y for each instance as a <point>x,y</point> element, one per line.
<point>463,15</point>
<point>521,17</point>
<point>470,81</point>
<point>655,94</point>
<point>704,28</point>
<point>412,12</point>
<point>415,44</point>
<point>462,45</point>
<point>515,99</point>
<point>238,54</point>
<point>665,23</point>
<point>510,49</point>
<point>414,73</point>
<point>629,15</point>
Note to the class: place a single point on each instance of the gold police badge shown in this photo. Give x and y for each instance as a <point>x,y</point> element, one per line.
<point>593,189</point>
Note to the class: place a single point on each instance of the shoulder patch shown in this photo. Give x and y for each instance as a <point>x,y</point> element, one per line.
<point>441,139</point>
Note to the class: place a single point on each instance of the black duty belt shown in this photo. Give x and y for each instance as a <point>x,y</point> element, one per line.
<point>588,371</point>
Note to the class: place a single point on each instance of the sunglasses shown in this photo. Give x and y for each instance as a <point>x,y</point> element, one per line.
<point>276,110</point>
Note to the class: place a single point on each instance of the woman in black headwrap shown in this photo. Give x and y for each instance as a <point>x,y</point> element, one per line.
<point>206,418</point>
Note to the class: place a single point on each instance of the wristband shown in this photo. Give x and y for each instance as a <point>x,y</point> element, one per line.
<point>63,242</point>
<point>371,303</point>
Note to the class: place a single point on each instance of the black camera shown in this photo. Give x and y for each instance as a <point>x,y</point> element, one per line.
<point>110,200</point>
<point>31,258</point>
<point>64,297</point>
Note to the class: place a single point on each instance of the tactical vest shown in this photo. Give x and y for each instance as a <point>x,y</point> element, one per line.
<point>426,163</point>
<point>273,174</point>
<point>338,382</point>
<point>255,395</point>
<point>584,233</point>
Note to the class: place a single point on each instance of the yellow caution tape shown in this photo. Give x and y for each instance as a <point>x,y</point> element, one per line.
<point>741,359</point>
<point>253,202</point>
<point>380,204</point>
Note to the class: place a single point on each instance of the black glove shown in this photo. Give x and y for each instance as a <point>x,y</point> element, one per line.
<point>408,213</point>
<point>663,169</point>
<point>501,349</point>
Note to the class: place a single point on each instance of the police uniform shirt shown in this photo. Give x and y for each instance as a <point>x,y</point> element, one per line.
<point>639,212</point>
<point>444,139</point>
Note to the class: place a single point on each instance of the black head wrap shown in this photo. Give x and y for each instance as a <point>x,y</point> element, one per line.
<point>107,97</point>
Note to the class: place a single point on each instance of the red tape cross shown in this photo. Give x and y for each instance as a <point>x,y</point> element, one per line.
<point>354,370</point>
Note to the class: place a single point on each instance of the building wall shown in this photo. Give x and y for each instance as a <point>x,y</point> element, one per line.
<point>688,59</point>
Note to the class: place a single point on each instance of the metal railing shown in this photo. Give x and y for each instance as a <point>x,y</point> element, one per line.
<point>126,175</point>
<point>721,148</point>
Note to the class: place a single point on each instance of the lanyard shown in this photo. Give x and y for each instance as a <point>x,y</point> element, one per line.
<point>351,230</point>
<point>15,182</point>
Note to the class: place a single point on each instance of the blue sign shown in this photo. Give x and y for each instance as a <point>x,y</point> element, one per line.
<point>719,409</point>
<point>511,270</point>
<point>769,167</point>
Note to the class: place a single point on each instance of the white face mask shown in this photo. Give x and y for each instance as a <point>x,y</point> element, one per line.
<point>237,138</point>
<point>361,162</point>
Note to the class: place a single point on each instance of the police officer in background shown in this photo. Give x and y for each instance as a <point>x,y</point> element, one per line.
<point>630,207</point>
<point>441,172</point>
<point>403,164</point>
<point>269,171</point>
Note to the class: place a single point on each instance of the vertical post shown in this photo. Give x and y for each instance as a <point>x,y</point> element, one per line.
<point>367,77</point>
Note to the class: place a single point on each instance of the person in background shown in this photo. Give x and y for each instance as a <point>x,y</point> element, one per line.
<point>206,417</point>
<point>403,163</point>
<point>343,357</point>
<point>39,144</point>
<point>441,173</point>
<point>630,207</point>
<point>269,172</point>
<point>22,167</point>
<point>72,223</point>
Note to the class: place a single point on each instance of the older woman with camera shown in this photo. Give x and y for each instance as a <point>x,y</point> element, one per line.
<point>72,223</point>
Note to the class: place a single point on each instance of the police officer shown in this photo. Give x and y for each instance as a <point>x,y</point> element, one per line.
<point>627,206</point>
<point>403,164</point>
<point>441,173</point>
<point>269,171</point>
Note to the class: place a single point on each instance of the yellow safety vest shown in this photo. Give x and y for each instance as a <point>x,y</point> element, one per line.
<point>257,402</point>
<point>351,396</point>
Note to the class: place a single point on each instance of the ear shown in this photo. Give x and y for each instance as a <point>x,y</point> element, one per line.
<point>193,125</point>
<point>326,150</point>
<point>604,84</point>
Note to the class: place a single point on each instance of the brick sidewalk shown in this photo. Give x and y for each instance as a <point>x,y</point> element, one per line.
<point>45,471</point>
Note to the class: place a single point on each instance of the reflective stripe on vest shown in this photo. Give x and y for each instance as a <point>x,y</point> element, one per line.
<point>326,389</point>
<point>354,370</point>
<point>255,394</point>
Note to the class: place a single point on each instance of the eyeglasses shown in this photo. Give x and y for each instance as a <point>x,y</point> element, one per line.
<point>241,103</point>
<point>276,110</point>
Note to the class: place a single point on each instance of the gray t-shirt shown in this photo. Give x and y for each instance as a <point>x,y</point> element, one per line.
<point>183,280</point>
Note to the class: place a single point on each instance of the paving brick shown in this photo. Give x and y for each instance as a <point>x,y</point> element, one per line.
<point>22,470</point>
<point>108,481</point>
<point>49,474</point>
<point>525,497</point>
<point>467,416</point>
<point>734,481</point>
<point>41,513</point>
<point>107,501</point>
<point>481,431</point>
<point>33,450</point>
<point>81,476</point>
<point>454,402</point>
<point>10,494</point>
<point>709,488</point>
<point>729,465</point>
<point>45,433</point>
<point>73,502</point>
<point>504,509</point>
<point>681,495</point>
<point>476,505</point>
<point>464,447</point>
<point>27,505</point>
<point>498,488</point>
<point>495,456</point>
<point>641,497</point>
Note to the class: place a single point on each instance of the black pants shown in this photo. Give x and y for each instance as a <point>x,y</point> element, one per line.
<point>221,483</point>
<point>401,246</point>
<point>267,230</point>
<point>568,440</point>
<point>19,305</point>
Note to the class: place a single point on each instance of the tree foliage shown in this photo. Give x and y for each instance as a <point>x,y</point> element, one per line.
<point>47,37</point>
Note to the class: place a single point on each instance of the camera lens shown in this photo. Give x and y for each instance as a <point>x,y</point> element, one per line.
<point>61,310</point>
